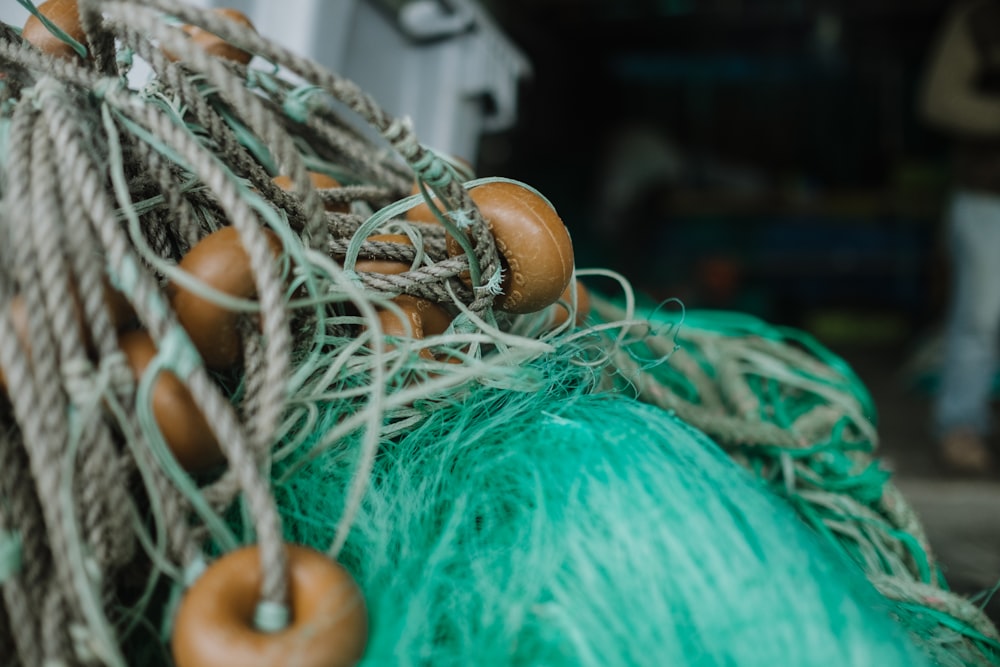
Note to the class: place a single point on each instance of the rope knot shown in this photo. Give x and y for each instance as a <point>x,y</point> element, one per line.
<point>432,169</point>
<point>124,58</point>
<point>177,353</point>
<point>299,103</point>
<point>103,87</point>
<point>116,373</point>
<point>79,380</point>
<point>400,135</point>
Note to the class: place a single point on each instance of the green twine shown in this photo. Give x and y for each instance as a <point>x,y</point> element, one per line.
<point>151,139</point>
<point>248,140</point>
<point>160,363</point>
<point>124,58</point>
<point>191,573</point>
<point>553,527</point>
<point>831,479</point>
<point>10,555</point>
<point>300,102</point>
<point>433,170</point>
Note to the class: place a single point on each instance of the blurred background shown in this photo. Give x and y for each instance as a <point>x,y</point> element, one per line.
<point>764,156</point>
<point>758,155</point>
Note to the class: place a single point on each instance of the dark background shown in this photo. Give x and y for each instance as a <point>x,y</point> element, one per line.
<point>764,156</point>
<point>782,169</point>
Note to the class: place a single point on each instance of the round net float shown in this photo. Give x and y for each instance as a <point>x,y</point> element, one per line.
<point>534,245</point>
<point>220,261</point>
<point>410,325</point>
<point>420,318</point>
<point>215,45</point>
<point>119,309</point>
<point>433,317</point>
<point>427,317</point>
<point>65,14</point>
<point>214,626</point>
<point>320,182</point>
<point>559,312</point>
<point>421,212</point>
<point>182,424</point>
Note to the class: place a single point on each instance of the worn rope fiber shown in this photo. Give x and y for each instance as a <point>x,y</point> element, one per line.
<point>107,185</point>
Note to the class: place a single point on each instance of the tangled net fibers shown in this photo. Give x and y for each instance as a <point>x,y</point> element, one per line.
<point>237,347</point>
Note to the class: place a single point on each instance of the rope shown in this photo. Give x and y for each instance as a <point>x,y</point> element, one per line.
<point>141,176</point>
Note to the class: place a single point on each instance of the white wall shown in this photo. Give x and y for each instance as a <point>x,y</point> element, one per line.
<point>439,84</point>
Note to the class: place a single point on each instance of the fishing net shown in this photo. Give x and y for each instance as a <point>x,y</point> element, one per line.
<point>251,327</point>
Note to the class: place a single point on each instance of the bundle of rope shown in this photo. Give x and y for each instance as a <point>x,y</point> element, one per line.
<point>219,283</point>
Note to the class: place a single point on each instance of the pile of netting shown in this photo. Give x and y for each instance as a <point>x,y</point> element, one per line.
<point>282,386</point>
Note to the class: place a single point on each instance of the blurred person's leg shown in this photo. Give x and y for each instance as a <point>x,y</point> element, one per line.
<point>963,405</point>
